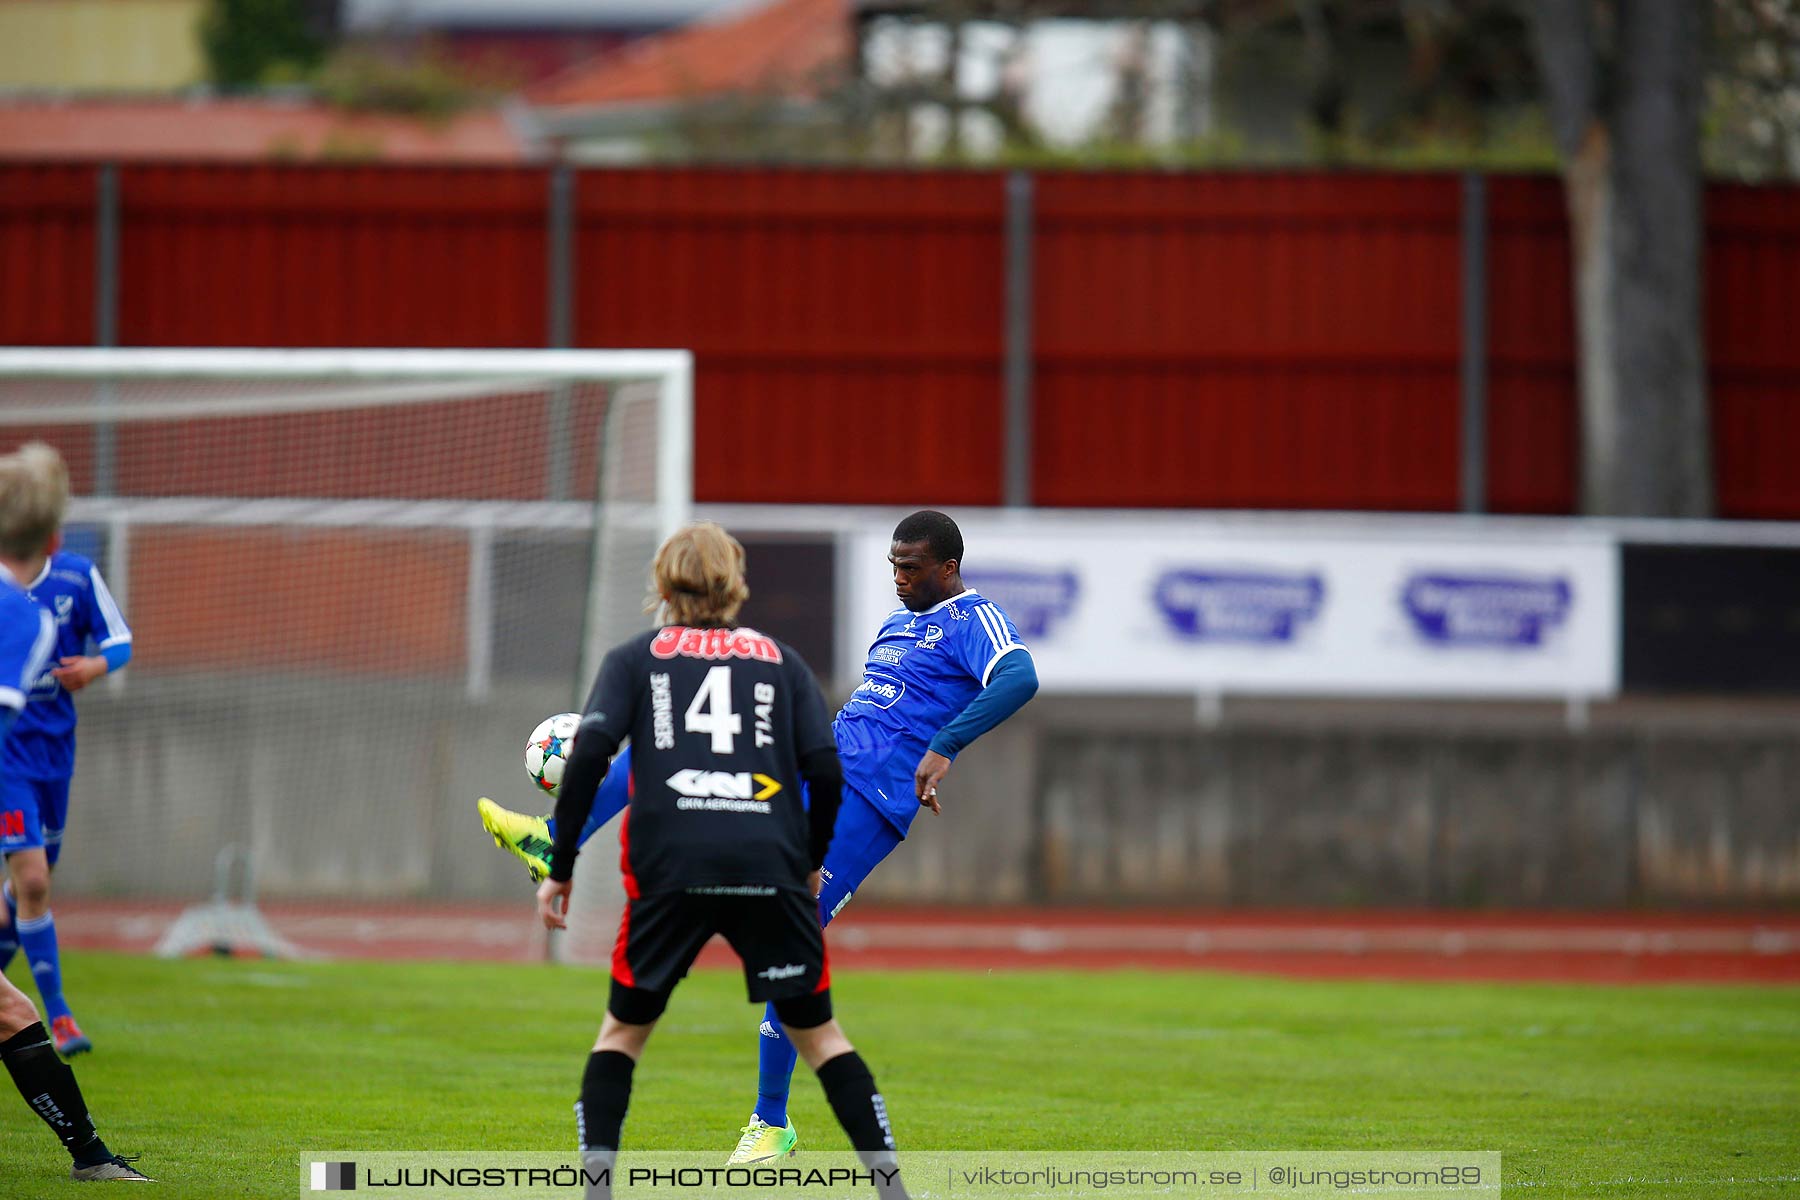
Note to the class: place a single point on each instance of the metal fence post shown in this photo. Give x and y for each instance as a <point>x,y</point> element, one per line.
<point>560,334</point>
<point>106,318</point>
<point>1474,342</point>
<point>1016,481</point>
<point>479,606</point>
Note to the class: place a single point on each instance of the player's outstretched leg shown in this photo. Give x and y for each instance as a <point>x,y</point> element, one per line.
<point>862,839</point>
<point>525,837</point>
<point>49,1087</point>
<point>529,838</point>
<point>850,1089</point>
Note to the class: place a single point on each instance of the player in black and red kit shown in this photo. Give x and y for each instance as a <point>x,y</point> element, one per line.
<point>724,724</point>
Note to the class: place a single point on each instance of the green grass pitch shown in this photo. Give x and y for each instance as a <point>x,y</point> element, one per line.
<point>219,1072</point>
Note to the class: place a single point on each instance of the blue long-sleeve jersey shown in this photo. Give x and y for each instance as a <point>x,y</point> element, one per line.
<point>920,675</point>
<point>27,636</point>
<point>42,745</point>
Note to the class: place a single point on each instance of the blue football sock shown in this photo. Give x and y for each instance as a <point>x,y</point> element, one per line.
<point>9,936</point>
<point>609,801</point>
<point>37,938</point>
<point>775,1070</point>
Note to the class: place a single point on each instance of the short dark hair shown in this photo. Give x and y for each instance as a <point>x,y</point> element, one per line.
<point>936,530</point>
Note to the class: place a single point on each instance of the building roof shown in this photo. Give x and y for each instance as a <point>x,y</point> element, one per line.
<point>375,15</point>
<point>240,130</point>
<point>789,48</point>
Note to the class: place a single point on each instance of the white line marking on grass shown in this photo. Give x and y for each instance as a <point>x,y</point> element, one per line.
<point>1756,1180</point>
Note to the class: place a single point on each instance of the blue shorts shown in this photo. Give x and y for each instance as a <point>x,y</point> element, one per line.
<point>32,812</point>
<point>891,794</point>
<point>862,838</point>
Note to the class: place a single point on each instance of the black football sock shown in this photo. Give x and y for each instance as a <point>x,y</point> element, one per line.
<point>600,1115</point>
<point>850,1089</point>
<point>50,1088</point>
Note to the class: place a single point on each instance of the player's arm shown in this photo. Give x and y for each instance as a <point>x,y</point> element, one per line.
<point>605,723</point>
<point>595,745</point>
<point>1010,686</point>
<point>608,716</point>
<point>988,647</point>
<point>24,655</point>
<point>112,636</point>
<point>816,752</point>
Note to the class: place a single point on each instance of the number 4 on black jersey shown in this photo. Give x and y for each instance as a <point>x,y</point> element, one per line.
<point>724,725</point>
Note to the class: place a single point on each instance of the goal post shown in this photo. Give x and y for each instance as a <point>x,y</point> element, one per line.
<point>357,579</point>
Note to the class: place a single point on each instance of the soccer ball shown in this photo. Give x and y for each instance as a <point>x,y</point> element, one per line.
<point>547,753</point>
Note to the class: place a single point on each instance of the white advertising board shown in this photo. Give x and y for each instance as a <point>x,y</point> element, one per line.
<point>1326,612</point>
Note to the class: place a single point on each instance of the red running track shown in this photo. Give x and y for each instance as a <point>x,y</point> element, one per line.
<point>1607,947</point>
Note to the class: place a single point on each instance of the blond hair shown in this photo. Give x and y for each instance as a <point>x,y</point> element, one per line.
<point>34,492</point>
<point>698,577</point>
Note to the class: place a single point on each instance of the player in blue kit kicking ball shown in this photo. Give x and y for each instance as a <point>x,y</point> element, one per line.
<point>39,758</point>
<point>945,667</point>
<point>33,490</point>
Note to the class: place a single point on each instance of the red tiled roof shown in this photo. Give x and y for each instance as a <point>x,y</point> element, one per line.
<point>247,129</point>
<point>788,47</point>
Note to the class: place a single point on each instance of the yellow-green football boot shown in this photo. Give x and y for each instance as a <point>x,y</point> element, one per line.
<point>527,838</point>
<point>763,1142</point>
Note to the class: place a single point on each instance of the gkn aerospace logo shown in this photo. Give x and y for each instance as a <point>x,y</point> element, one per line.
<point>1037,601</point>
<point>1514,611</point>
<point>723,785</point>
<point>1238,606</point>
<point>722,791</point>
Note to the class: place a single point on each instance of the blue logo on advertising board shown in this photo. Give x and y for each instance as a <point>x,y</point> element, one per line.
<point>1035,600</point>
<point>1239,606</point>
<point>1486,610</point>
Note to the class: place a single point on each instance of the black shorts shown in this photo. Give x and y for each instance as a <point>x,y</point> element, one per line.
<point>777,936</point>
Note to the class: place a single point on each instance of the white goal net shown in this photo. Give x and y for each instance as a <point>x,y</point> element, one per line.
<point>356,580</point>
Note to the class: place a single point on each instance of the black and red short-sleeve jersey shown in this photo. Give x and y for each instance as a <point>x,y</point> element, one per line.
<point>719,719</point>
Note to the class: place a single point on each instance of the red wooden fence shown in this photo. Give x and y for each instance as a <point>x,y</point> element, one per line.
<point>1271,340</point>
<point>1261,341</point>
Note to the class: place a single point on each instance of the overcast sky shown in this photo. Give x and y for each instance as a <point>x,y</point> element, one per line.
<point>360,14</point>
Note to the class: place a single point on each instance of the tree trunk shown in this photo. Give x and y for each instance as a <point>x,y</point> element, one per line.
<point>1627,123</point>
<point>1664,455</point>
<point>1588,191</point>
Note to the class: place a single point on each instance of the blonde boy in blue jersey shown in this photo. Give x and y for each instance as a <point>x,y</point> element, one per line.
<point>38,760</point>
<point>34,489</point>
